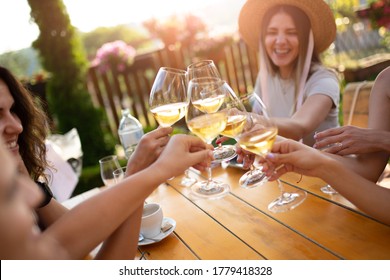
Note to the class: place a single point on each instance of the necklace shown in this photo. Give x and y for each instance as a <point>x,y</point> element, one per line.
<point>284,85</point>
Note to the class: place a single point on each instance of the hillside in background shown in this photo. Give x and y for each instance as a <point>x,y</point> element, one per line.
<point>23,63</point>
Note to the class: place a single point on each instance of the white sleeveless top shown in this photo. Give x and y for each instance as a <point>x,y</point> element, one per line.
<point>282,99</point>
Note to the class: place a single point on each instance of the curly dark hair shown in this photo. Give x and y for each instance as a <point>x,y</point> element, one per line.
<point>35,125</point>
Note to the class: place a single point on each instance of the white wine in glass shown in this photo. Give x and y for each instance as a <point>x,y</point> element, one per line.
<point>255,176</point>
<point>206,117</point>
<point>199,69</point>
<point>207,68</point>
<point>258,136</point>
<point>168,97</point>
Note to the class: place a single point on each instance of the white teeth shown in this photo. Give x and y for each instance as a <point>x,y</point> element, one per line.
<point>281,51</point>
<point>11,145</point>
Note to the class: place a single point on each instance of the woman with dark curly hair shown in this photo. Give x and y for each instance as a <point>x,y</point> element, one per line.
<point>113,216</point>
<point>24,127</point>
<point>34,125</point>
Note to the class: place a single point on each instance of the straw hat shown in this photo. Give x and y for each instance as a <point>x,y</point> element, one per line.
<point>318,12</point>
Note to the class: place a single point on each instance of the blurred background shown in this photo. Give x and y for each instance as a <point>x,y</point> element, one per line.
<point>87,60</point>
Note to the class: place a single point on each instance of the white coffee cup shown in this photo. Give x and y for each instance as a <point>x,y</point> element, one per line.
<point>152,217</point>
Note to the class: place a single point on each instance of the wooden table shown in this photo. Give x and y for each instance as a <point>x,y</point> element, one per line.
<point>239,226</point>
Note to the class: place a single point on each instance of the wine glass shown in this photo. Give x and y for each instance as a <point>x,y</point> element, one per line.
<point>257,136</point>
<point>255,176</point>
<point>203,68</point>
<point>327,188</point>
<point>108,165</point>
<point>207,117</point>
<point>119,174</point>
<point>168,97</point>
<point>207,68</point>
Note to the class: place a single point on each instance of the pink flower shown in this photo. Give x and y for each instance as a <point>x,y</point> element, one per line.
<point>378,13</point>
<point>116,55</point>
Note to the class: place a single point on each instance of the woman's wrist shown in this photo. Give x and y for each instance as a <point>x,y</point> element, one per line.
<point>384,143</point>
<point>329,169</point>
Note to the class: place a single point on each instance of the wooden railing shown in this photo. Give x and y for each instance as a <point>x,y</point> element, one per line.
<point>113,91</point>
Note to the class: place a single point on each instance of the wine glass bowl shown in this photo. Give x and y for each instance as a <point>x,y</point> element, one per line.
<point>168,97</point>
<point>203,68</point>
<point>260,136</point>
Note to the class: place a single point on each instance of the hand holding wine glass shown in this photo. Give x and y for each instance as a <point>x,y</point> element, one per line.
<point>257,136</point>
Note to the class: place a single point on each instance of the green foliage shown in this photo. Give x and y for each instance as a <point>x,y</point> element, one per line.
<point>63,56</point>
<point>344,8</point>
<point>89,179</point>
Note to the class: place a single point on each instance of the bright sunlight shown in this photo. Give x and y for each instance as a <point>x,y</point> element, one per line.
<point>86,15</point>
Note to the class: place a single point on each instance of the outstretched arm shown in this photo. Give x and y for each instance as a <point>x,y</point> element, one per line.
<point>369,197</point>
<point>312,113</point>
<point>122,244</point>
<point>371,146</point>
<point>85,226</point>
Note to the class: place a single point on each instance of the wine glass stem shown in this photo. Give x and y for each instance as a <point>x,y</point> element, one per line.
<point>209,184</point>
<point>251,168</point>
<point>281,189</point>
<point>285,197</point>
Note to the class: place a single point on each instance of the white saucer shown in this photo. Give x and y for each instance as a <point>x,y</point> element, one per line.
<point>161,235</point>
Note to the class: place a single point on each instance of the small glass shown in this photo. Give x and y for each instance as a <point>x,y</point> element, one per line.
<point>119,174</point>
<point>108,165</point>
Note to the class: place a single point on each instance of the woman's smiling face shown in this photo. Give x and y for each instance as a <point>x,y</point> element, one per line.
<point>281,42</point>
<point>10,124</point>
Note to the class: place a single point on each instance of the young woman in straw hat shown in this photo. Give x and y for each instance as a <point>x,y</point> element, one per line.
<point>300,93</point>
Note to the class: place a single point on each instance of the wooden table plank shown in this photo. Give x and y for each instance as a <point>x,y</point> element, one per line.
<point>257,229</point>
<point>207,238</point>
<point>240,226</point>
<point>347,233</point>
<point>313,185</point>
<point>163,250</point>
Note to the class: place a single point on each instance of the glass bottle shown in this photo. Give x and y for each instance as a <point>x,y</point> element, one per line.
<point>130,132</point>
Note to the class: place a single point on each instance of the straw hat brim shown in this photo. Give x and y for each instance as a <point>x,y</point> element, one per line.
<point>320,16</point>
